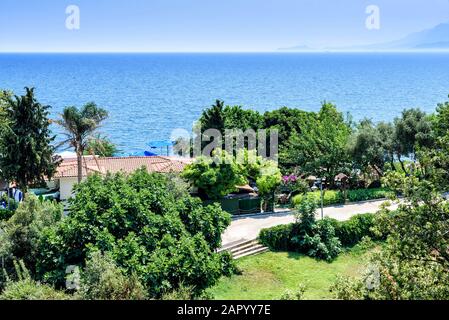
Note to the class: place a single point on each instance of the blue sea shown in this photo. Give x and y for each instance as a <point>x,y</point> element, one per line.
<point>149,95</point>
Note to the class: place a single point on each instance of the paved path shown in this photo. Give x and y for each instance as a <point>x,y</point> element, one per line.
<point>248,228</point>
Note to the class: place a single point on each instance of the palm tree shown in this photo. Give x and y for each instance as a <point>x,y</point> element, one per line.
<point>80,126</point>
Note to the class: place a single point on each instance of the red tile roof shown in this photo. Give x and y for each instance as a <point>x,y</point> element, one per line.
<point>69,167</point>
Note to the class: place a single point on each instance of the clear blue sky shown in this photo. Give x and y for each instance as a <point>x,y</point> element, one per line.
<point>207,25</point>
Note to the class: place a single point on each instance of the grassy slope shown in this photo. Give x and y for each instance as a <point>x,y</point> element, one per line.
<point>268,275</point>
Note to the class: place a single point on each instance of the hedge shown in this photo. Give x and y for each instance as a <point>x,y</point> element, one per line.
<point>332,197</point>
<point>368,194</point>
<point>278,238</point>
<point>349,232</point>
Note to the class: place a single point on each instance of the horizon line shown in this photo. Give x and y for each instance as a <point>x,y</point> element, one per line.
<point>231,52</point>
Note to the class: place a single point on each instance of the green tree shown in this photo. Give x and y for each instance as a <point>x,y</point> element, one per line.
<point>441,120</point>
<point>264,173</point>
<point>215,177</point>
<point>222,117</point>
<point>235,117</point>
<point>290,123</point>
<point>316,239</point>
<point>414,263</point>
<point>213,118</point>
<point>387,137</point>
<point>322,149</point>
<point>5,96</point>
<point>366,148</point>
<point>19,236</point>
<point>80,125</point>
<point>163,240</point>
<point>412,129</point>
<point>101,146</point>
<point>27,155</point>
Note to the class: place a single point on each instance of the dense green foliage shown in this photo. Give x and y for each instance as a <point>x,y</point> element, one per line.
<point>352,231</point>
<point>332,197</point>
<point>102,279</point>
<point>315,238</point>
<point>25,288</point>
<point>414,263</point>
<point>222,117</point>
<point>19,236</point>
<point>369,194</point>
<point>278,238</point>
<point>214,177</point>
<point>5,96</point>
<point>321,150</point>
<point>163,240</point>
<point>326,143</point>
<point>289,122</point>
<point>5,214</point>
<point>31,290</point>
<point>366,147</point>
<point>349,233</point>
<point>218,176</point>
<point>26,155</point>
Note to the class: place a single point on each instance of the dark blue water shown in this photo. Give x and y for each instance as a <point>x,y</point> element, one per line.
<point>150,95</point>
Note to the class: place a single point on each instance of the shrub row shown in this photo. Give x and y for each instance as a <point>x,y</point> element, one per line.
<point>368,194</point>
<point>352,231</point>
<point>349,233</point>
<point>332,197</point>
<point>278,238</point>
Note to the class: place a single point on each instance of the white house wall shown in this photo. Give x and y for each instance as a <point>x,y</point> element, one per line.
<point>66,187</point>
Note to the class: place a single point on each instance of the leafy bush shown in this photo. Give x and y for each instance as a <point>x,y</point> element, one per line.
<point>21,233</point>
<point>149,232</point>
<point>320,242</point>
<point>316,239</point>
<point>31,290</point>
<point>413,263</point>
<point>277,238</point>
<point>215,177</point>
<point>330,197</point>
<point>27,289</point>
<point>307,235</point>
<point>182,293</point>
<point>368,194</point>
<point>353,230</point>
<point>294,294</point>
<point>102,279</point>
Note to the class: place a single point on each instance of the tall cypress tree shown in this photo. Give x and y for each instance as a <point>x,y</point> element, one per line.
<point>26,150</point>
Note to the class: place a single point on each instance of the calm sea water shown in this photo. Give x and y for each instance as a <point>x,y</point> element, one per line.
<point>149,95</point>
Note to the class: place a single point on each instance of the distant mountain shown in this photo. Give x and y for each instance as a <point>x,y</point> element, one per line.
<point>436,38</point>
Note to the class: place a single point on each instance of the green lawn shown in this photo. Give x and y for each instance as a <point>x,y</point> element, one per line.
<point>268,275</point>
